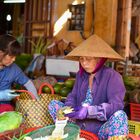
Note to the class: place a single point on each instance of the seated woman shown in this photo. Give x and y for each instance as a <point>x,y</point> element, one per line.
<point>10,73</point>
<point>98,93</point>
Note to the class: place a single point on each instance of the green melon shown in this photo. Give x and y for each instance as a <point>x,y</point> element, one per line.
<point>58,86</point>
<point>65,91</point>
<point>46,89</point>
<point>69,83</point>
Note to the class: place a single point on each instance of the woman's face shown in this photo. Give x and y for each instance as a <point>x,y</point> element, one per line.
<point>88,63</point>
<point>7,60</point>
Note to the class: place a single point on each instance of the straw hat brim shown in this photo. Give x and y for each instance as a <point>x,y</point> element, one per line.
<point>94,46</point>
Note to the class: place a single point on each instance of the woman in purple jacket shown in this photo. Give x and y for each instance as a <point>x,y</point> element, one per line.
<point>98,93</point>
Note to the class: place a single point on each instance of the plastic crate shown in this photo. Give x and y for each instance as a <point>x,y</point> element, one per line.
<point>134,127</point>
<point>135,112</point>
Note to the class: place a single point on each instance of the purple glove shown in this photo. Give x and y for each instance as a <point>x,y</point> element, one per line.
<point>78,113</point>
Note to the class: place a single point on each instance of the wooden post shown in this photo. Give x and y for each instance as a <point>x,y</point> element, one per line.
<point>105,20</point>
<point>128,26</point>
<point>128,10</point>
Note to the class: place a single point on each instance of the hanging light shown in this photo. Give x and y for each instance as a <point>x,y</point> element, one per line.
<point>8,17</point>
<point>14,1</point>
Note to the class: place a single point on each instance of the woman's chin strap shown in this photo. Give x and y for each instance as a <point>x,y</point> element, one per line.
<point>99,64</point>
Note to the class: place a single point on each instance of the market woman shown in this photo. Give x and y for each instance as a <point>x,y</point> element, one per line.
<point>98,93</point>
<point>10,73</point>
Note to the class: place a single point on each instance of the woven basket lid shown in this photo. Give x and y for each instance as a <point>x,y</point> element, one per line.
<point>94,46</point>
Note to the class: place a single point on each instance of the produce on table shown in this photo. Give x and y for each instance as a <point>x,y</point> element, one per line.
<point>131,82</point>
<point>58,86</point>
<point>132,85</point>
<point>46,89</point>
<point>10,120</point>
<point>134,96</point>
<point>23,60</point>
<point>69,83</point>
<point>64,88</point>
<point>65,91</point>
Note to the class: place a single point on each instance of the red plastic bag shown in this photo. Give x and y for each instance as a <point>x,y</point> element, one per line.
<point>6,107</point>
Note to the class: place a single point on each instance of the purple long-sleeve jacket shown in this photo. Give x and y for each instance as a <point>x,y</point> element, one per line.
<point>108,92</point>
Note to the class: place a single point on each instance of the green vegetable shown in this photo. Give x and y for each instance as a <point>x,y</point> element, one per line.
<point>69,83</point>
<point>46,89</point>
<point>23,60</point>
<point>65,91</point>
<point>10,120</point>
<point>131,82</point>
<point>58,86</point>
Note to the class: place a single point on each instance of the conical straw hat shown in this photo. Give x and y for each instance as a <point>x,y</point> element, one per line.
<point>94,46</point>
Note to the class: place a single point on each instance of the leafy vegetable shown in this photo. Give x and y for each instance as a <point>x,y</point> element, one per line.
<point>10,120</point>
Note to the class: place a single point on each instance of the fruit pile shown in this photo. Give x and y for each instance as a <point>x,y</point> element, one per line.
<point>61,88</point>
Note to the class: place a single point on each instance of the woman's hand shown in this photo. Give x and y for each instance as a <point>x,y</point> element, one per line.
<point>62,111</point>
<point>78,113</point>
<point>7,95</point>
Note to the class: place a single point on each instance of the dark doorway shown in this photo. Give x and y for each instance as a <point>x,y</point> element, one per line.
<point>10,15</point>
<point>5,10</point>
